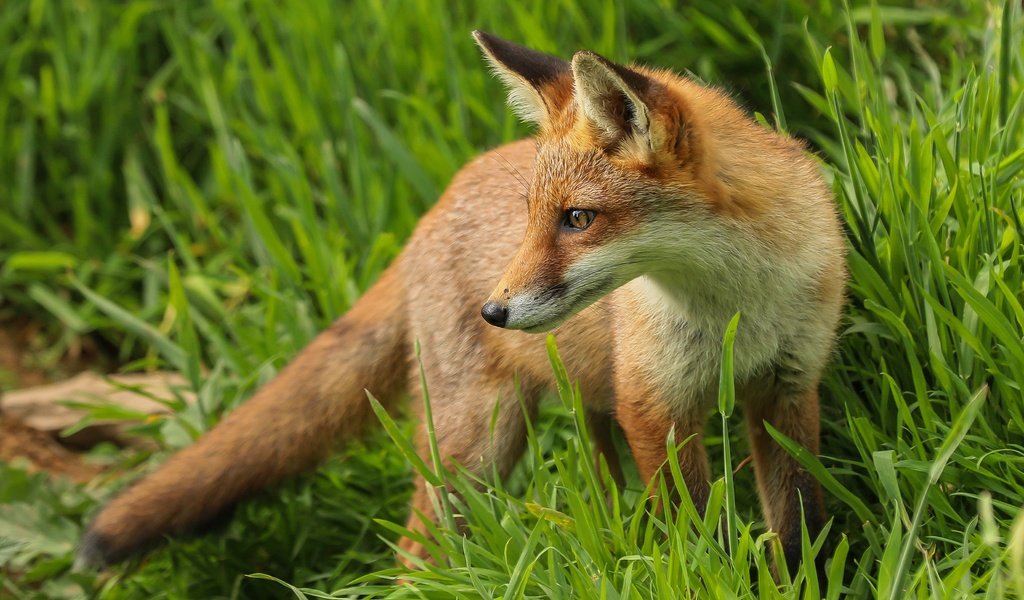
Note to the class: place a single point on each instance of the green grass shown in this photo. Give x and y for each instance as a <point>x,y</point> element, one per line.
<point>202,186</point>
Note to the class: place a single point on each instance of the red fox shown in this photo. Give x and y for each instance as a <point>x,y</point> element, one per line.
<point>645,213</point>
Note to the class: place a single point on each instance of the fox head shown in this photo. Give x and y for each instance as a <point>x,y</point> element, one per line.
<point>621,182</point>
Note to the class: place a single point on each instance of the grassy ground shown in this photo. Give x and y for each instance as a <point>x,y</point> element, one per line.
<point>201,186</point>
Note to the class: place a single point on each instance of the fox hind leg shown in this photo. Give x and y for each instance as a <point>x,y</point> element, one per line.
<point>481,428</point>
<point>601,425</point>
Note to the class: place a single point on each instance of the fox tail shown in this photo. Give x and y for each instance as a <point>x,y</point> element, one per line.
<point>287,427</point>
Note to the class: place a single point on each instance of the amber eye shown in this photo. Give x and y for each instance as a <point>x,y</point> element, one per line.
<point>578,218</point>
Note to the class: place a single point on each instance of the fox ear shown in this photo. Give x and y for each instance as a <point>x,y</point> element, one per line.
<point>612,98</point>
<point>524,72</point>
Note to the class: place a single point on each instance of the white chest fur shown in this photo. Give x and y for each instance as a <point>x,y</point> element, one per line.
<point>675,346</point>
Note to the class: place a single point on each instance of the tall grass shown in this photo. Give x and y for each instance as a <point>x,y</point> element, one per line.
<point>202,186</point>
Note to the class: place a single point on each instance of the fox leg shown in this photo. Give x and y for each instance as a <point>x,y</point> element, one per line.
<point>647,425</point>
<point>471,431</point>
<point>782,483</point>
<point>600,425</point>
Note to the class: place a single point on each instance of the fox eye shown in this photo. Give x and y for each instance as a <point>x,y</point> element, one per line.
<point>578,218</point>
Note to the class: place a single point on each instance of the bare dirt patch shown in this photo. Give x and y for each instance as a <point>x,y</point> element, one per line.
<point>41,450</point>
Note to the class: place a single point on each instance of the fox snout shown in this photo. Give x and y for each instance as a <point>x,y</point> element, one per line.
<point>498,307</point>
<point>509,309</point>
<point>534,309</point>
<point>495,313</point>
<point>535,298</point>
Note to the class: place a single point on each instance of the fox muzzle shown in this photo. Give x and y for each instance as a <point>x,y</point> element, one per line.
<point>494,313</point>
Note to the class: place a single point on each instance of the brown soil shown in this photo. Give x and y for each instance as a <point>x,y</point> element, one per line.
<point>43,452</point>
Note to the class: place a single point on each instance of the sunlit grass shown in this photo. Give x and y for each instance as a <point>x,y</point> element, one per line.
<point>203,186</point>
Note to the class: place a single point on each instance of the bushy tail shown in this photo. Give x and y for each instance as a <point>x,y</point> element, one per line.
<point>286,428</point>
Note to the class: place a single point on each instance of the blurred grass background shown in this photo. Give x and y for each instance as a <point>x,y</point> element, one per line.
<point>202,186</point>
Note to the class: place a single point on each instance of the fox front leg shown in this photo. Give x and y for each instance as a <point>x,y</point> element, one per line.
<point>647,422</point>
<point>786,489</point>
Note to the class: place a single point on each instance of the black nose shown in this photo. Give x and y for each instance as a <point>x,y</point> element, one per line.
<point>494,313</point>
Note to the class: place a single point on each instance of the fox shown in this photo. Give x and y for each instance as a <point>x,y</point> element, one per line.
<point>646,210</point>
